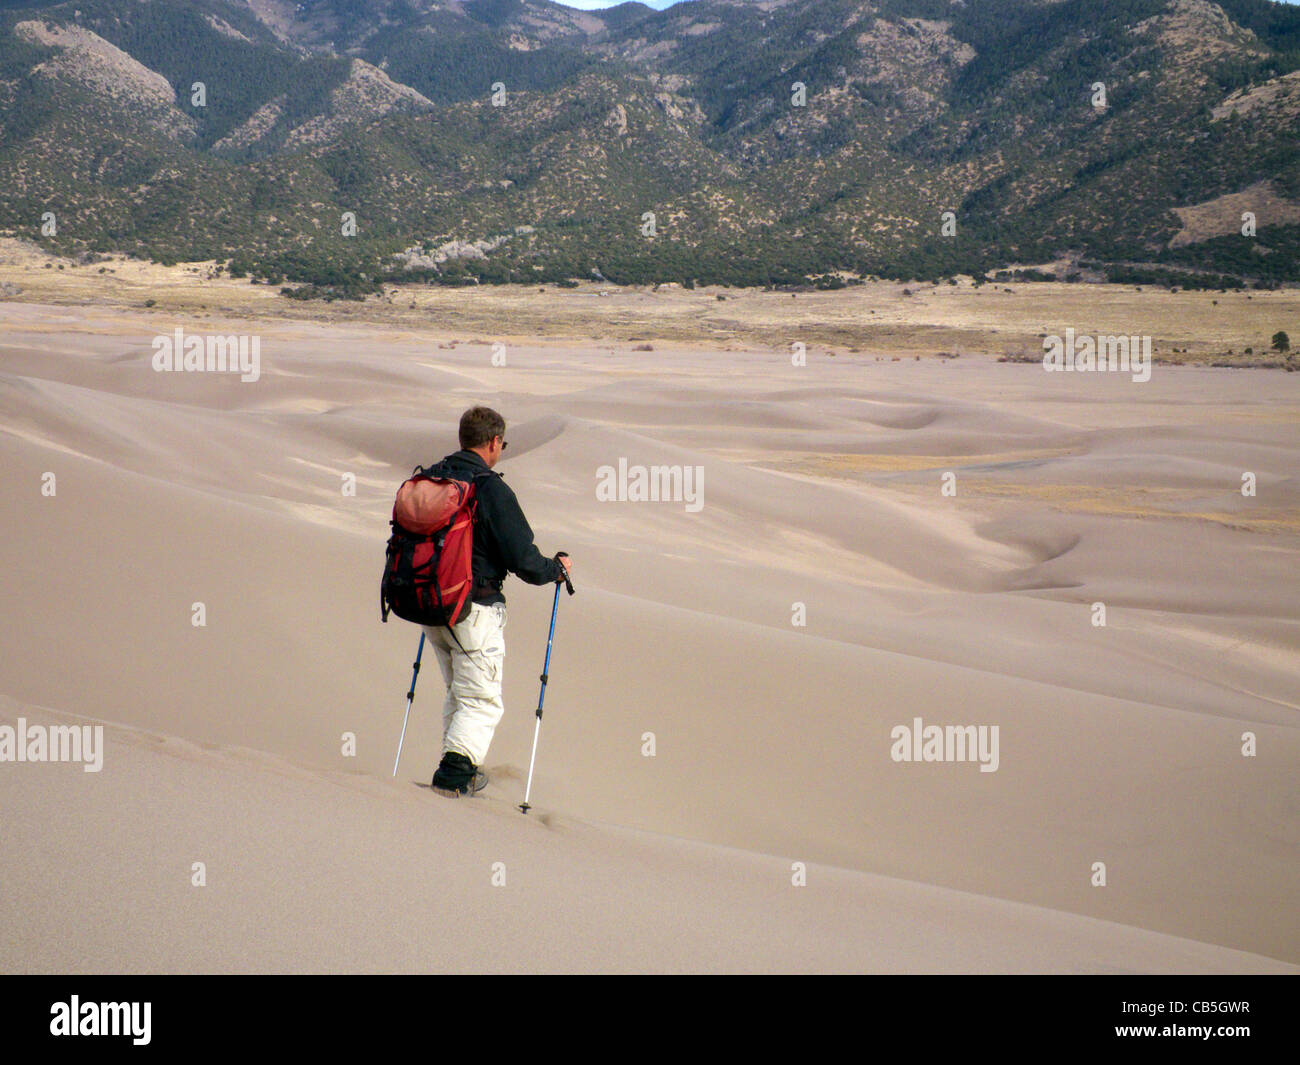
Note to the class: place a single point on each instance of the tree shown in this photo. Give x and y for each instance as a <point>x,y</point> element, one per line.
<point>1281,342</point>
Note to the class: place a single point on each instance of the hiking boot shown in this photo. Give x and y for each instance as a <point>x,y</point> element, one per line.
<point>479,782</point>
<point>473,787</point>
<point>457,776</point>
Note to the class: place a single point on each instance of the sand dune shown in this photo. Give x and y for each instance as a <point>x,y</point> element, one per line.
<point>321,871</point>
<point>821,486</point>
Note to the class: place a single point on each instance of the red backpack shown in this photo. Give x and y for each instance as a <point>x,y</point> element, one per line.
<point>428,565</point>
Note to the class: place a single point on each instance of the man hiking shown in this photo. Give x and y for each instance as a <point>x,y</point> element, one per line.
<point>471,655</point>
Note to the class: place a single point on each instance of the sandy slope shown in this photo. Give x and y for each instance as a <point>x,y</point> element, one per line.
<point>327,872</point>
<point>821,486</point>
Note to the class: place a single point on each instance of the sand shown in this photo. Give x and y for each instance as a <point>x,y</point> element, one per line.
<point>767,643</point>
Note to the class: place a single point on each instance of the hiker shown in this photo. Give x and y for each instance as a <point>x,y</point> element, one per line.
<point>472,660</point>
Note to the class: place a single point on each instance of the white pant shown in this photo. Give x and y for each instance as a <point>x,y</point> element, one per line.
<point>473,706</point>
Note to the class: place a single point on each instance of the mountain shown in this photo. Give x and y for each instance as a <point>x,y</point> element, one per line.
<point>732,141</point>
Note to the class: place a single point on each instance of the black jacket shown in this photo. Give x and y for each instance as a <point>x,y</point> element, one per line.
<point>503,539</point>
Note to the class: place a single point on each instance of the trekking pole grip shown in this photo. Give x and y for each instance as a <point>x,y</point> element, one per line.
<point>568,584</point>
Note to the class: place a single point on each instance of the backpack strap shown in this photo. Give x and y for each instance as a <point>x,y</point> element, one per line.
<point>454,637</point>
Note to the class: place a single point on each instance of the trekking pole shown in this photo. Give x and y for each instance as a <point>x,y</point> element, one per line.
<point>524,807</point>
<point>409,696</point>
